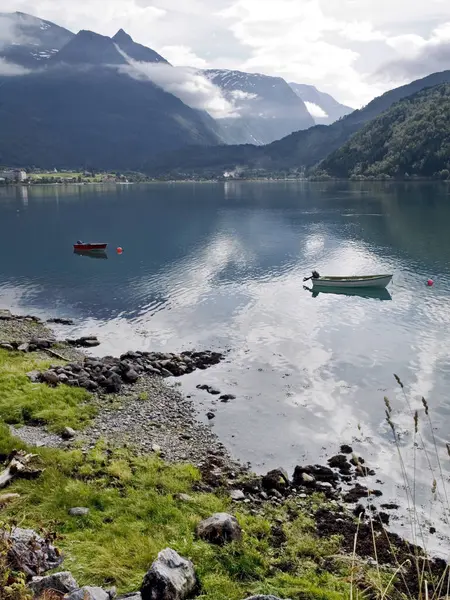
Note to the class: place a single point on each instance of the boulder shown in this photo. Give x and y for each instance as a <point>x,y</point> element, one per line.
<point>6,346</point>
<point>89,593</point>
<point>237,495</point>
<point>30,553</point>
<point>346,449</point>
<point>59,321</point>
<point>34,376</point>
<point>171,577</point>
<point>320,473</point>
<point>131,376</point>
<point>227,397</point>
<point>5,314</point>
<point>24,347</point>
<point>63,378</point>
<point>210,415</point>
<point>59,582</point>
<point>79,511</point>
<point>41,343</point>
<point>50,377</point>
<point>219,529</point>
<point>68,433</point>
<point>277,479</point>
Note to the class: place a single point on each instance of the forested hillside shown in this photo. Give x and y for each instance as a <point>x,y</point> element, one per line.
<point>411,138</point>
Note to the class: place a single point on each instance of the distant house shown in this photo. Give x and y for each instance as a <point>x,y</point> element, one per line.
<point>13,175</point>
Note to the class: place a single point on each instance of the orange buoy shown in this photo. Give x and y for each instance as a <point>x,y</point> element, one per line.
<point>119,250</point>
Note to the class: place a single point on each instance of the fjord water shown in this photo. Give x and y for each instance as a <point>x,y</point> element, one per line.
<point>221,266</point>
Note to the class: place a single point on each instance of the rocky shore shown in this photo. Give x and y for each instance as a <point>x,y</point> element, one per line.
<point>138,410</point>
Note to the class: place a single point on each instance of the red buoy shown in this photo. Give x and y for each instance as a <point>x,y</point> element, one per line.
<point>119,250</point>
<point>430,283</point>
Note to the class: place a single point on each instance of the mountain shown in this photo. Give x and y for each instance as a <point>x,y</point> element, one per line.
<point>29,41</point>
<point>137,51</point>
<point>89,48</point>
<point>92,116</point>
<point>300,149</point>
<point>412,137</point>
<point>94,113</point>
<point>324,109</point>
<point>267,109</point>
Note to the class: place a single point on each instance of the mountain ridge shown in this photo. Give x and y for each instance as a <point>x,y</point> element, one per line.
<point>411,138</point>
<point>302,149</point>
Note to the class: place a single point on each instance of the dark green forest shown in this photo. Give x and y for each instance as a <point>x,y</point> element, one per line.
<point>412,138</point>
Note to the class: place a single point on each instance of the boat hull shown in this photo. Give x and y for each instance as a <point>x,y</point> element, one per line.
<point>375,281</point>
<point>90,247</point>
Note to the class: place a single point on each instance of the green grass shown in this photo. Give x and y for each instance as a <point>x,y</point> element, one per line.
<point>24,402</point>
<point>135,511</point>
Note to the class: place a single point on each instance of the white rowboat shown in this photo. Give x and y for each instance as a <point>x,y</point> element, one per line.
<point>358,281</point>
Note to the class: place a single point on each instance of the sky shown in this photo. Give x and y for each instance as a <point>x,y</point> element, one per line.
<point>352,49</point>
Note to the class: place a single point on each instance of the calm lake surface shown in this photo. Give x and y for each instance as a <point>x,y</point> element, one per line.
<point>221,266</point>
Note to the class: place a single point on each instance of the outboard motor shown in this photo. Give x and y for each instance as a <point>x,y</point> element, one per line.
<point>315,275</point>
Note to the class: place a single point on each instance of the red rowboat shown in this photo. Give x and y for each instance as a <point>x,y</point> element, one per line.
<point>89,247</point>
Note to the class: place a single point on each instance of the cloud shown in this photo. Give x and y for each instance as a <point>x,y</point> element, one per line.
<point>417,56</point>
<point>291,38</point>
<point>10,69</point>
<point>335,46</point>
<point>241,95</point>
<point>10,33</point>
<point>183,56</point>
<point>315,110</point>
<point>187,84</point>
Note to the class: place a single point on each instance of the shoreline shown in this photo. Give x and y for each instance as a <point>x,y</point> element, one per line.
<point>148,418</point>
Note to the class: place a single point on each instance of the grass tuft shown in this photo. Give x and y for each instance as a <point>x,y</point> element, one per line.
<point>24,402</point>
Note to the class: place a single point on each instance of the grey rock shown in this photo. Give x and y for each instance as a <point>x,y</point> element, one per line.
<point>41,343</point>
<point>131,376</point>
<point>89,593</point>
<point>220,529</point>
<point>78,511</point>
<point>132,596</point>
<point>171,577</point>
<point>6,346</point>
<point>227,397</point>
<point>277,479</point>
<point>183,497</point>
<point>63,378</point>
<point>214,391</point>
<point>237,495</point>
<point>307,478</point>
<point>50,377</point>
<point>165,373</point>
<point>5,314</point>
<point>62,582</point>
<point>34,376</point>
<point>68,433</point>
<point>30,553</point>
<point>24,347</point>
<point>59,321</point>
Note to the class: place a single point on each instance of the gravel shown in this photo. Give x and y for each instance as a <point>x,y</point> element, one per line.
<point>164,419</point>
